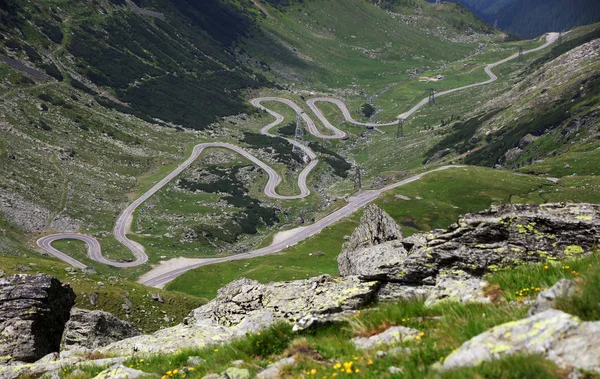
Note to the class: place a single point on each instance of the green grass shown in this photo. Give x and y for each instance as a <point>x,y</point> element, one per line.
<point>293,263</point>
<point>444,196</point>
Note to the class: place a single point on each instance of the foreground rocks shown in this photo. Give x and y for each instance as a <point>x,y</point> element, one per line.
<point>247,306</point>
<point>33,312</point>
<point>94,329</point>
<point>555,335</point>
<point>503,236</point>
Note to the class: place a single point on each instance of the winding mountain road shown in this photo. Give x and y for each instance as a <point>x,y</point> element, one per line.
<point>354,203</point>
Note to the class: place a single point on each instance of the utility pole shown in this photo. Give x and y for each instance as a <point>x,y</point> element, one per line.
<point>357,183</point>
<point>400,131</point>
<point>432,96</point>
<point>560,35</point>
<point>520,53</point>
<point>299,137</point>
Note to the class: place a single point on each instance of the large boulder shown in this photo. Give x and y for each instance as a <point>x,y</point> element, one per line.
<point>366,250</point>
<point>94,329</point>
<point>502,236</point>
<point>245,302</point>
<point>33,312</point>
<point>555,335</point>
<point>247,306</point>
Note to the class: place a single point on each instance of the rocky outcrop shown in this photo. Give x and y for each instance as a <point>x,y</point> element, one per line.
<point>33,312</point>
<point>376,228</point>
<point>94,329</point>
<point>555,335</point>
<point>503,236</point>
<point>247,306</point>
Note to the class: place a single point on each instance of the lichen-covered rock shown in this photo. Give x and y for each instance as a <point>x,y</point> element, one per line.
<point>247,306</point>
<point>94,329</point>
<point>273,370</point>
<point>246,300</point>
<point>122,372</point>
<point>553,334</point>
<point>547,299</point>
<point>236,373</point>
<point>395,334</point>
<point>503,236</point>
<point>458,287</point>
<point>33,312</point>
<point>376,227</point>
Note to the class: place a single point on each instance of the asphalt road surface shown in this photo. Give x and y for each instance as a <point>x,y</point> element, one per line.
<point>354,203</point>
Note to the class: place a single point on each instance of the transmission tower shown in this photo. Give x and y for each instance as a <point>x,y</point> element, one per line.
<point>432,96</point>
<point>357,183</point>
<point>496,24</point>
<point>520,53</point>
<point>560,37</point>
<point>400,131</point>
<point>438,1</point>
<point>299,137</point>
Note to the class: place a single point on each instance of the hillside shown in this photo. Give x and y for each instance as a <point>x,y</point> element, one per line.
<point>529,19</point>
<point>100,100</point>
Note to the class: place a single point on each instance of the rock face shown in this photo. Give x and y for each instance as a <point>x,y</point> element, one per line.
<point>248,306</point>
<point>502,236</point>
<point>94,329</point>
<point>33,312</point>
<point>555,335</point>
<point>376,227</point>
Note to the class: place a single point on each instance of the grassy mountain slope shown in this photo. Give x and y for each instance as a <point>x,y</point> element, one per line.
<point>529,19</point>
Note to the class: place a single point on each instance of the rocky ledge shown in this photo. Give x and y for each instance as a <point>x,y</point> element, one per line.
<point>450,263</point>
<point>33,313</point>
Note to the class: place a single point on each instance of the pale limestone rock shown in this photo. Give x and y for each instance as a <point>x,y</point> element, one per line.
<point>393,335</point>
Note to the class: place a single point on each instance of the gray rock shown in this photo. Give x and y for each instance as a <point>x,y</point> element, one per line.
<point>212,376</point>
<point>195,361</point>
<point>526,141</point>
<point>547,299</point>
<point>375,228</point>
<point>33,312</point>
<point>395,291</point>
<point>122,372</point>
<point>381,354</point>
<point>457,286</point>
<point>393,335</point>
<point>238,363</point>
<point>236,373</point>
<point>158,297</point>
<point>95,329</point>
<point>2,273</point>
<point>273,370</point>
<point>247,306</point>
<point>555,335</point>
<point>503,236</point>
